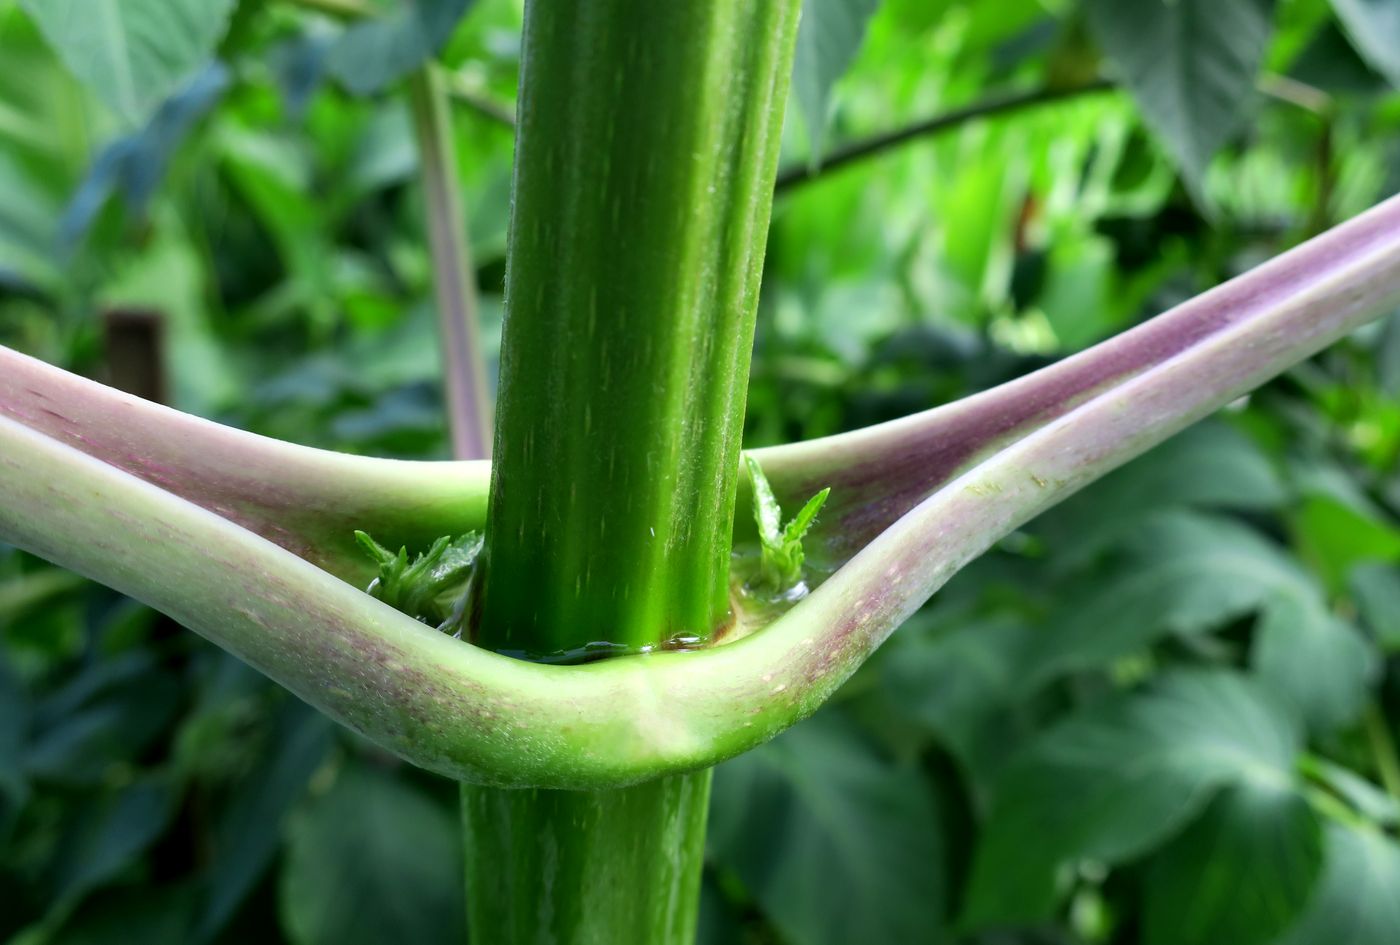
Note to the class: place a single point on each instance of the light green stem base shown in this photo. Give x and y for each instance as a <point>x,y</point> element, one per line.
<point>618,867</point>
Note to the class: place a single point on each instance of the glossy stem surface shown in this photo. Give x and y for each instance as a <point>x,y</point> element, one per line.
<point>646,154</point>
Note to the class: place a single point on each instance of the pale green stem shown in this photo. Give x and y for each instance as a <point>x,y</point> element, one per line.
<point>454,278</point>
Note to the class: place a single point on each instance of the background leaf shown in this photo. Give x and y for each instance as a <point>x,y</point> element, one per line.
<point>249,832</point>
<point>1374,28</point>
<point>132,53</point>
<point>1315,661</point>
<point>1119,778</point>
<point>1241,873</point>
<point>1190,64</point>
<point>837,844</point>
<point>372,54</point>
<point>1358,898</point>
<point>828,37</point>
<point>373,860</point>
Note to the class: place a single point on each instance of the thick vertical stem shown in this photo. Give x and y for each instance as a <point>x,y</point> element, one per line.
<point>454,280</point>
<point>646,155</point>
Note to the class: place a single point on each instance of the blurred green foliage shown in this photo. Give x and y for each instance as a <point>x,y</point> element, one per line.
<point>1163,713</point>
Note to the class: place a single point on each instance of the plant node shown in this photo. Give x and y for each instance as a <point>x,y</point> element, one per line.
<point>435,587</point>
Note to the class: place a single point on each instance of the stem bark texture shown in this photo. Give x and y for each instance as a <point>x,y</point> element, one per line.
<point>646,155</point>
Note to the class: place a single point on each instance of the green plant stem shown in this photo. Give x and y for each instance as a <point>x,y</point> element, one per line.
<point>454,278</point>
<point>646,153</point>
<point>1383,749</point>
<point>647,147</point>
<point>613,867</point>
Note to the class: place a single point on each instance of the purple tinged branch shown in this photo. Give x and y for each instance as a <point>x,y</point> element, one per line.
<point>877,474</point>
<point>928,494</point>
<point>308,501</point>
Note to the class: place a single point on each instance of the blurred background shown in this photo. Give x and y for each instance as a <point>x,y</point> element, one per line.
<point>1163,713</point>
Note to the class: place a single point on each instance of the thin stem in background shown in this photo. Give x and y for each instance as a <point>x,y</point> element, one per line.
<point>867,148</point>
<point>454,278</point>
<point>500,113</point>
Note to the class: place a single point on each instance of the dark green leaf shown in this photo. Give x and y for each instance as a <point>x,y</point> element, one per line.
<point>1374,28</point>
<point>153,915</point>
<point>1334,536</point>
<point>107,836</point>
<point>1376,589</point>
<point>1357,901</point>
<point>374,860</point>
<point>1190,64</point>
<point>250,830</point>
<point>14,732</point>
<point>836,844</point>
<point>1388,356</point>
<point>134,165</point>
<point>132,53</point>
<point>379,51</point>
<point>106,714</point>
<point>828,38</point>
<point>961,683</point>
<point>1118,779</point>
<point>1240,874</point>
<point>1314,660</point>
<point>1182,573</point>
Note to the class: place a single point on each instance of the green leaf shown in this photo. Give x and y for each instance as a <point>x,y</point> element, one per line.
<point>108,835</point>
<point>766,513</point>
<point>782,554</point>
<point>434,588</point>
<point>249,832</point>
<point>1119,778</point>
<point>14,732</point>
<point>132,53</point>
<point>1358,898</point>
<point>1376,589</point>
<point>1374,29</point>
<point>374,860</point>
<point>828,38</point>
<point>377,52</point>
<point>959,680</point>
<point>1240,874</point>
<point>1191,66</point>
<point>135,164</point>
<point>835,843</point>
<point>1388,356</point>
<point>1335,536</point>
<point>1183,573</point>
<point>1314,660</point>
<point>797,528</point>
<point>148,915</point>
